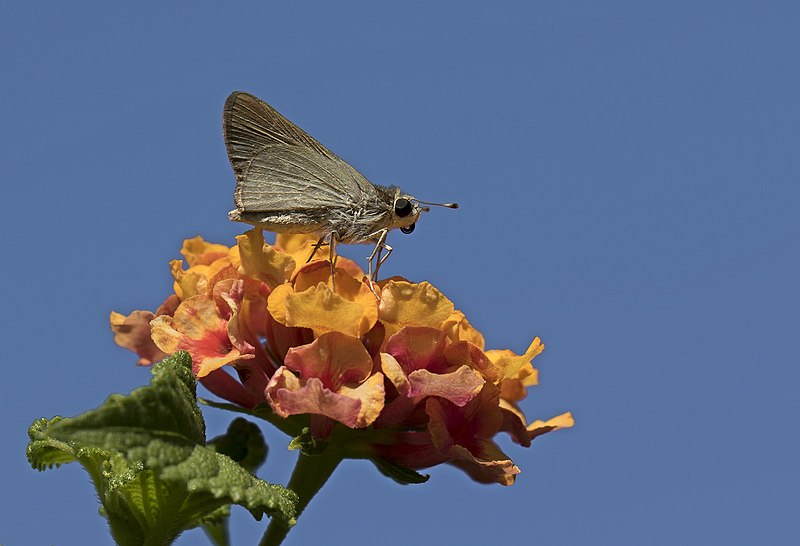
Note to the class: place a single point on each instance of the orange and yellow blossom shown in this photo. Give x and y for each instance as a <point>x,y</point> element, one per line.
<point>406,369</point>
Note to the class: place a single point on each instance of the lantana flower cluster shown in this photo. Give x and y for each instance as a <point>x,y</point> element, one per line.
<point>264,324</point>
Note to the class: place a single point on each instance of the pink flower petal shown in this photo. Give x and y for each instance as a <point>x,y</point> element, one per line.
<point>418,348</point>
<point>459,387</point>
<point>289,396</point>
<point>133,332</point>
<point>355,408</point>
<point>334,358</point>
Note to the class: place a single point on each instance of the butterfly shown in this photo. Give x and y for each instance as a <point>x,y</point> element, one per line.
<point>287,182</point>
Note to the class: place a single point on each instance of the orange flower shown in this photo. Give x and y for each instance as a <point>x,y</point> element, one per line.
<point>405,373</point>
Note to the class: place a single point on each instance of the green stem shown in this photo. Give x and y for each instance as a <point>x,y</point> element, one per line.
<point>309,475</point>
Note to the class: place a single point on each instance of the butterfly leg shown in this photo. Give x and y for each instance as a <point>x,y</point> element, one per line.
<point>332,257</point>
<point>382,259</point>
<point>316,247</point>
<point>380,243</point>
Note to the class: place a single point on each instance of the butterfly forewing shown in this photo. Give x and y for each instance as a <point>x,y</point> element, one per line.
<point>249,124</point>
<point>280,169</point>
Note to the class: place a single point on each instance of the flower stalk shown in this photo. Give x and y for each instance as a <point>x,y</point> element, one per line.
<point>309,475</point>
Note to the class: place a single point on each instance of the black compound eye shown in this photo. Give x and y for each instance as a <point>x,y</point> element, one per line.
<point>408,229</point>
<point>402,208</point>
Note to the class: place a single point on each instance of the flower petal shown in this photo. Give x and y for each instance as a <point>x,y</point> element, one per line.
<point>133,332</point>
<point>465,435</point>
<point>537,428</point>
<point>372,395</point>
<point>514,424</point>
<point>395,374</point>
<point>458,328</point>
<point>518,367</point>
<point>464,353</point>
<point>355,408</point>
<point>289,396</point>
<point>199,252</point>
<point>198,328</point>
<point>336,359</point>
<point>318,308</point>
<point>188,283</point>
<point>301,246</point>
<point>405,304</point>
<point>350,288</point>
<point>493,466</point>
<point>459,387</point>
<point>261,261</point>
<point>418,348</point>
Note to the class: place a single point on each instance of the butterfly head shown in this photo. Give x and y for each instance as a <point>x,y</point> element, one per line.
<point>406,210</point>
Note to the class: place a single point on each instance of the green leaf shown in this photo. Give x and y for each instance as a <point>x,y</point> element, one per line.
<point>400,474</point>
<point>244,443</point>
<point>147,457</point>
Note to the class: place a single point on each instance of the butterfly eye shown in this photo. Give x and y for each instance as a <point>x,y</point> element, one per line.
<point>402,208</point>
<point>408,229</point>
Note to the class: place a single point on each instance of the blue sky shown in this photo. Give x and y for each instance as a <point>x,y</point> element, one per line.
<point>628,175</point>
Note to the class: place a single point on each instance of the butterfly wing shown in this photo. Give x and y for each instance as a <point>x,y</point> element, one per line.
<point>286,180</point>
<point>295,190</point>
<point>249,124</point>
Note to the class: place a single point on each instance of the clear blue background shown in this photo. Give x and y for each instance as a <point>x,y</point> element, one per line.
<point>628,173</point>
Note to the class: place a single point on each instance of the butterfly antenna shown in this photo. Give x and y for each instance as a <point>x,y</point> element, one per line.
<point>447,205</point>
